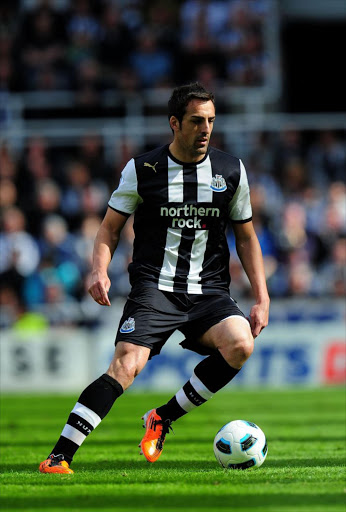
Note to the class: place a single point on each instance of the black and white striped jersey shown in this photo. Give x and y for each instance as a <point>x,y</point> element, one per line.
<point>181,213</point>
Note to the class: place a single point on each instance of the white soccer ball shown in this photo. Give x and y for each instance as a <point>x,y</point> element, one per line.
<point>240,444</point>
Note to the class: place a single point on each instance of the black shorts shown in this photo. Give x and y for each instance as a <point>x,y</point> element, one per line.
<point>150,317</point>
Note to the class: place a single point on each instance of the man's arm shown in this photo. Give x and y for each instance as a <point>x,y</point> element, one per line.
<point>106,242</point>
<point>250,255</point>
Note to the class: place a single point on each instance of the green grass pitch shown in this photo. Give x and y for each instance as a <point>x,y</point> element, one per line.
<point>304,470</point>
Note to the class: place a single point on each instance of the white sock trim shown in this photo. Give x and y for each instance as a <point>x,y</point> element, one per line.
<point>73,434</point>
<point>87,414</point>
<point>183,401</point>
<point>201,389</point>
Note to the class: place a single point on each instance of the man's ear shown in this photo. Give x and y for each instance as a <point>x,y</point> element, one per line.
<point>174,123</point>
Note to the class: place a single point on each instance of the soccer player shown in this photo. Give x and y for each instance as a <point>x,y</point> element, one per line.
<point>182,195</point>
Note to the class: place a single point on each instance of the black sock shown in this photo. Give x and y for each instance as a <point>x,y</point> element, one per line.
<point>93,405</point>
<point>210,375</point>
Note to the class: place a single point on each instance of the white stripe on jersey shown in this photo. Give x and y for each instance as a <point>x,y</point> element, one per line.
<point>240,206</point>
<point>175,182</point>
<point>173,239</point>
<point>205,195</point>
<point>170,260</point>
<point>197,255</point>
<point>204,177</point>
<point>125,198</point>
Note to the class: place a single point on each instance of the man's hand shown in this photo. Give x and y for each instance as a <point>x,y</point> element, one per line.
<point>259,317</point>
<point>99,288</point>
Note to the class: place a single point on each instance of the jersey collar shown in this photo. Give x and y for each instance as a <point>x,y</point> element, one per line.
<point>187,163</point>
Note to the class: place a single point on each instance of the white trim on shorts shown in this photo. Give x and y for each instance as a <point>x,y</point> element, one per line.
<point>236,316</point>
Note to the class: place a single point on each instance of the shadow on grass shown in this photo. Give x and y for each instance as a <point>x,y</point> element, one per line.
<point>181,465</point>
<point>121,466</point>
<point>307,463</point>
<point>306,439</point>
<point>144,501</point>
<point>188,441</point>
<point>110,441</point>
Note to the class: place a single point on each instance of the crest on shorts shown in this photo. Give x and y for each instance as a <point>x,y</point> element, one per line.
<point>128,325</point>
<point>218,183</point>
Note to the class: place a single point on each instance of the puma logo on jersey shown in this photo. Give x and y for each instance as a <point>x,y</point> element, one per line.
<point>146,164</point>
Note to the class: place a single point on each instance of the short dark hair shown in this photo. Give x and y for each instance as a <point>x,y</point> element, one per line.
<point>182,95</point>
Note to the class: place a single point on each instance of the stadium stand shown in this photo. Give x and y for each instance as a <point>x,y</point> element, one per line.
<point>92,62</point>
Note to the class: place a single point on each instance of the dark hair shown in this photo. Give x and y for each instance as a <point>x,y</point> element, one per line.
<point>182,95</point>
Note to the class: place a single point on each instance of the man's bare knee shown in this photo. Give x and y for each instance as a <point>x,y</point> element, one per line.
<point>126,368</point>
<point>236,352</point>
<point>243,348</point>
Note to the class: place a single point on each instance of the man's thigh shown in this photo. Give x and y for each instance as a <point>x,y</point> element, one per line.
<point>232,338</point>
<point>227,333</point>
<point>209,311</point>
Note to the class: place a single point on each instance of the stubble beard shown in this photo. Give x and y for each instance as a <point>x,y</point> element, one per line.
<point>193,150</point>
<point>200,151</point>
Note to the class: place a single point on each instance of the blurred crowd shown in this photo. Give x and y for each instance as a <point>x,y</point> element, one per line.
<point>53,199</point>
<point>89,46</point>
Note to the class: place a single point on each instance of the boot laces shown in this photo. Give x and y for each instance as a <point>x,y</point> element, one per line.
<point>166,427</point>
<point>56,459</point>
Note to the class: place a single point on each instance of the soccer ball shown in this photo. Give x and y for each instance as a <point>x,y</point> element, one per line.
<point>240,444</point>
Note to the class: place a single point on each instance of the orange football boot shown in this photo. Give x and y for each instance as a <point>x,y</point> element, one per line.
<point>152,442</point>
<point>55,464</point>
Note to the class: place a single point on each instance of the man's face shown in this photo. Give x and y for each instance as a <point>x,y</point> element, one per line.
<point>192,135</point>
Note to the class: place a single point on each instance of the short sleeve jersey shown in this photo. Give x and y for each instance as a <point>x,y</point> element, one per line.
<point>181,211</point>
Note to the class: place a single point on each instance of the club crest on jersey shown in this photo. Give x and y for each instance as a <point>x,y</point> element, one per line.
<point>128,325</point>
<point>218,183</point>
